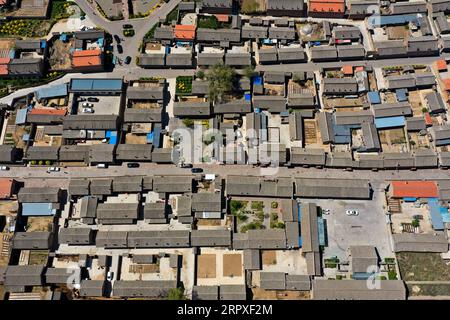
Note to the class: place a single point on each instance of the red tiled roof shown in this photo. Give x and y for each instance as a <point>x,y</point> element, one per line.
<point>5,60</point>
<point>186,32</point>
<point>222,17</point>
<point>86,58</point>
<point>327,6</point>
<point>428,120</point>
<point>447,84</point>
<point>6,188</point>
<point>347,69</point>
<point>441,65</point>
<point>4,69</point>
<point>414,189</point>
<point>49,111</point>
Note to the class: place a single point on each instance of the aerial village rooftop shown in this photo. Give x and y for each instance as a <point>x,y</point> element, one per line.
<point>224,150</point>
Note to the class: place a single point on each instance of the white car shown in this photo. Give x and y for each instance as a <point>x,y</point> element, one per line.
<point>4,168</point>
<point>109,275</point>
<point>102,166</point>
<point>352,212</point>
<point>53,169</point>
<point>88,110</point>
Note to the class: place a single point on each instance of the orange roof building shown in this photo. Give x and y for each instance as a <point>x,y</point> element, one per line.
<point>441,65</point>
<point>87,58</point>
<point>48,111</point>
<point>6,188</point>
<point>348,70</point>
<point>222,17</point>
<point>428,120</point>
<point>4,66</point>
<point>326,8</point>
<point>414,189</point>
<point>184,32</point>
<point>447,84</point>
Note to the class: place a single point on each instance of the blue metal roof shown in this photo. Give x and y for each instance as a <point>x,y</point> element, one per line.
<point>374,97</point>
<point>435,213</point>
<point>379,21</point>
<point>53,91</point>
<point>401,95</point>
<point>257,80</point>
<point>21,116</point>
<point>389,122</point>
<point>445,215</point>
<point>37,209</point>
<point>321,229</point>
<point>96,85</point>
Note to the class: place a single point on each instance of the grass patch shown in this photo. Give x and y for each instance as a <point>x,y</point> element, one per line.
<point>172,16</point>
<point>417,266</point>
<point>257,205</point>
<point>255,225</point>
<point>211,22</point>
<point>151,33</point>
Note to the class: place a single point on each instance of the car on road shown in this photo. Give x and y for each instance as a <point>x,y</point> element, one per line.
<point>4,168</point>
<point>88,110</point>
<point>127,60</point>
<point>133,165</point>
<point>102,166</point>
<point>186,165</point>
<point>87,105</point>
<point>352,212</point>
<point>92,99</point>
<point>117,38</point>
<point>196,170</point>
<point>119,49</point>
<point>53,169</point>
<point>127,26</point>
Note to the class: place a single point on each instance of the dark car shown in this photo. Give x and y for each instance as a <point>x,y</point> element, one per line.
<point>117,38</point>
<point>92,99</point>
<point>196,170</point>
<point>133,165</point>
<point>127,60</point>
<point>119,49</point>
<point>127,26</point>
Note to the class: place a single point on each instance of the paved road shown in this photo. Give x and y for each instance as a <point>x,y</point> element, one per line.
<point>223,170</point>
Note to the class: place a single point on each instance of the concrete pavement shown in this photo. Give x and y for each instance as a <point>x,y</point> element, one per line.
<point>224,171</point>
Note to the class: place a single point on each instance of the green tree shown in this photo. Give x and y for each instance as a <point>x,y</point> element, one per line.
<point>176,294</point>
<point>188,122</point>
<point>220,80</point>
<point>201,74</point>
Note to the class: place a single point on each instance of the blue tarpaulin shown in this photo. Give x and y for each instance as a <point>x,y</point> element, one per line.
<point>389,122</point>
<point>43,44</point>
<point>248,97</point>
<point>150,137</point>
<point>435,213</point>
<point>50,92</point>
<point>409,199</point>
<point>374,97</point>
<point>37,209</point>
<point>101,42</point>
<point>257,80</point>
<point>63,37</point>
<point>445,215</point>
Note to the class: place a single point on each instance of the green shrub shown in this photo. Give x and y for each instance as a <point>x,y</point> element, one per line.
<point>257,205</point>
<point>260,215</point>
<point>41,162</point>
<point>274,205</point>
<point>392,275</point>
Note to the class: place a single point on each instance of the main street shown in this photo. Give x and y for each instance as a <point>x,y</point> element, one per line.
<point>19,172</point>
